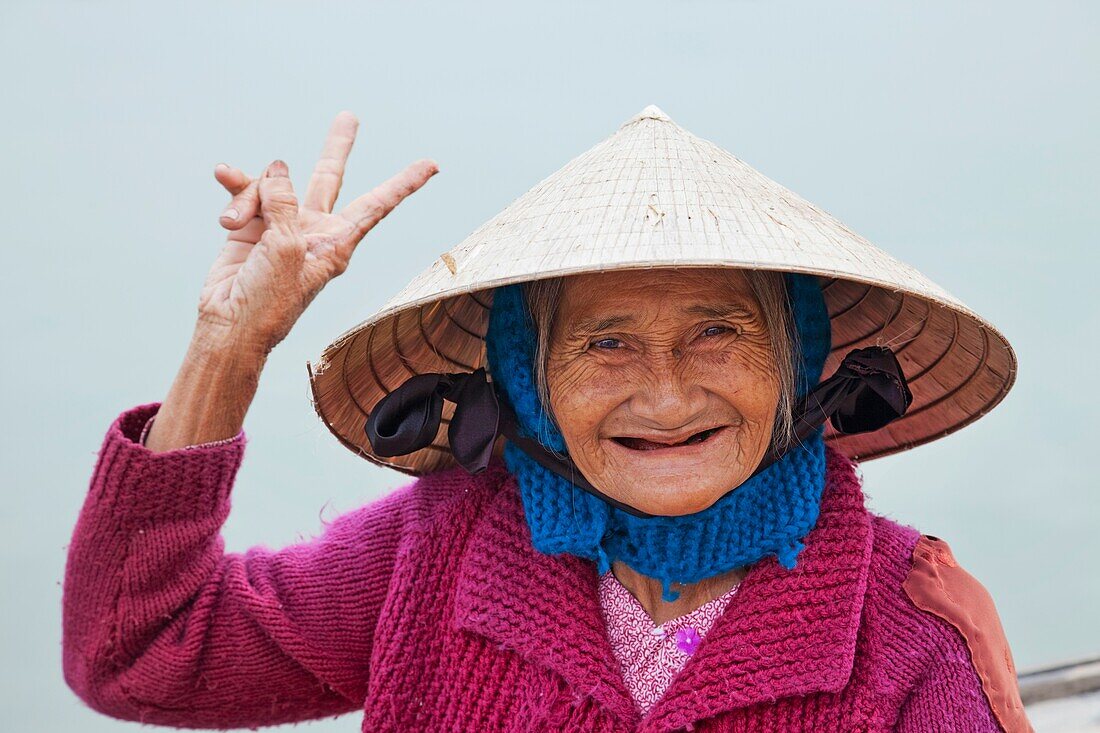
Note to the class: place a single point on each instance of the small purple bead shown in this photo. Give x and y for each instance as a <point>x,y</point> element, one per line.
<point>687,640</point>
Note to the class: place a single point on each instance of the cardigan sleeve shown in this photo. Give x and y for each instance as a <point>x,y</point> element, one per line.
<point>949,699</point>
<point>162,626</point>
<point>970,684</point>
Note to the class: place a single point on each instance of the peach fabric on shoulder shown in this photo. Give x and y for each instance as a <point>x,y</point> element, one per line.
<point>938,584</point>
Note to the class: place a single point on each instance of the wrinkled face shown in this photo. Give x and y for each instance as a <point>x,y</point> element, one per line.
<point>664,384</point>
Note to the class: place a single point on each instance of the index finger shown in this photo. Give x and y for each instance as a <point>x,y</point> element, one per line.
<point>367,210</point>
<point>324,184</point>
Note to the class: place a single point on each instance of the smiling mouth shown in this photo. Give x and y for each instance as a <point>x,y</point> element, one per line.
<point>644,444</point>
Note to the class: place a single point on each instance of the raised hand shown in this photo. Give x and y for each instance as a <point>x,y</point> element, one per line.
<point>278,254</point>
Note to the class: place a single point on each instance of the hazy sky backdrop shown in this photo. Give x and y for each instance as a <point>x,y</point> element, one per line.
<point>962,138</point>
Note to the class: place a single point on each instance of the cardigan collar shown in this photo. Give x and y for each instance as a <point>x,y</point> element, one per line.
<point>784,633</point>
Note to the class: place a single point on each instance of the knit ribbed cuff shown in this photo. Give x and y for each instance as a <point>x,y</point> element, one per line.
<point>148,487</point>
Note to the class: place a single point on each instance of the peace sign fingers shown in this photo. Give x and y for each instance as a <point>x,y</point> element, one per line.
<point>280,251</point>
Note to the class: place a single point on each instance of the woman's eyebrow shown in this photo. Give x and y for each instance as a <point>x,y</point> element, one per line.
<point>588,325</point>
<point>722,310</point>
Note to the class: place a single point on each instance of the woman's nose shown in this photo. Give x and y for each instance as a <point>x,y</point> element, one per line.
<point>667,397</point>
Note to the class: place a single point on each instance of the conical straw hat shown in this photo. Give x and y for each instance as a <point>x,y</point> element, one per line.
<point>654,195</point>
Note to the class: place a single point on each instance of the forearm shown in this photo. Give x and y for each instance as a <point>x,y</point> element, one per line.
<point>211,393</point>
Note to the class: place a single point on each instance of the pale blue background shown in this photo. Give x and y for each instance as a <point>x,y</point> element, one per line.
<point>962,139</point>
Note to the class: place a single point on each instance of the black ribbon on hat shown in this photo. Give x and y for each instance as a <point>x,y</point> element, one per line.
<point>867,391</point>
<point>408,418</point>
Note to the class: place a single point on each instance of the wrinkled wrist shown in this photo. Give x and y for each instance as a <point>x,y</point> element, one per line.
<point>219,348</point>
<point>149,424</point>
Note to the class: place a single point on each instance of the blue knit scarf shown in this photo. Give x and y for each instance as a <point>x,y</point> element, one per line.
<point>768,514</point>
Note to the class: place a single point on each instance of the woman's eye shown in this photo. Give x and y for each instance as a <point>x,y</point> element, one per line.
<point>606,343</point>
<point>716,330</point>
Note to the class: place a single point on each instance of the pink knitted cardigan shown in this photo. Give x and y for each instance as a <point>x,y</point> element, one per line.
<point>430,610</point>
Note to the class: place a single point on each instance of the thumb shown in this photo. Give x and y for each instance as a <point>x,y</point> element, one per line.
<point>278,204</point>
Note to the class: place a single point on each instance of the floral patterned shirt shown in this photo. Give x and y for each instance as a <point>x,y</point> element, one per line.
<point>651,656</point>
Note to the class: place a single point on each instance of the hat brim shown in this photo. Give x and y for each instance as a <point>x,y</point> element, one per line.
<point>958,365</point>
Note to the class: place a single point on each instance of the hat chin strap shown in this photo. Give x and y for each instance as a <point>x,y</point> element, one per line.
<point>867,391</point>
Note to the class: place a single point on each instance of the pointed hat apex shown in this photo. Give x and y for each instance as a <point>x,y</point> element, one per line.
<point>651,112</point>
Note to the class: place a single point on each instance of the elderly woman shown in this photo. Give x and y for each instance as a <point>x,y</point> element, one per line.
<point>634,400</point>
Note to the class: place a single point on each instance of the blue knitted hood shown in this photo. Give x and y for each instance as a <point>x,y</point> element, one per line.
<point>767,515</point>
